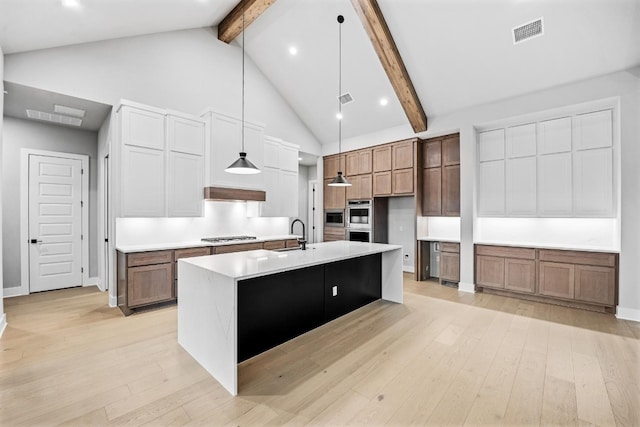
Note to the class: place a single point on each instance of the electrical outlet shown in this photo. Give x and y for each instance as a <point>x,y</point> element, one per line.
<point>334,291</point>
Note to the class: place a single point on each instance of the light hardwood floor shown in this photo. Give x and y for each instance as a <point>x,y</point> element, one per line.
<point>441,358</point>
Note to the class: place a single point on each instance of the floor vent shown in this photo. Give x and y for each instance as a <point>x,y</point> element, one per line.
<point>528,31</point>
<point>54,118</point>
<point>345,98</point>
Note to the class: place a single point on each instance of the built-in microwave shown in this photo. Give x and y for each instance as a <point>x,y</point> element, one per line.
<point>334,218</point>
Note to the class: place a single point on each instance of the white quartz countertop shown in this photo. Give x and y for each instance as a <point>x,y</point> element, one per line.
<point>244,265</point>
<point>196,243</point>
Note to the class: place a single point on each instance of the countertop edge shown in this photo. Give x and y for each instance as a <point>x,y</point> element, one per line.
<point>196,244</point>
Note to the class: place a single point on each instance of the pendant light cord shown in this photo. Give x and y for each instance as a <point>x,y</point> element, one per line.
<point>243,76</point>
<point>340,91</point>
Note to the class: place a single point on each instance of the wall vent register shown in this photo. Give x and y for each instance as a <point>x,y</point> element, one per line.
<point>528,31</point>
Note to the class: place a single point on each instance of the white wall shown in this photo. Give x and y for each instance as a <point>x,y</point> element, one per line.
<point>18,134</point>
<point>303,194</point>
<point>104,143</point>
<point>186,70</point>
<point>623,84</point>
<point>402,228</point>
<point>3,317</point>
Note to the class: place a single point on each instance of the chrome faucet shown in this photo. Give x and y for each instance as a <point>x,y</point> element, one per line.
<point>303,242</point>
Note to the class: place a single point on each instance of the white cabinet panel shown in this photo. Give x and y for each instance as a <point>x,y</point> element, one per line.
<point>186,135</point>
<point>226,144</point>
<point>521,186</point>
<point>274,193</point>
<point>185,185</point>
<point>143,182</point>
<point>593,130</point>
<point>593,177</point>
<point>491,189</point>
<point>142,128</point>
<point>554,136</point>
<point>491,145</point>
<point>521,141</point>
<point>271,152</point>
<point>555,185</point>
<point>289,157</point>
<point>289,186</point>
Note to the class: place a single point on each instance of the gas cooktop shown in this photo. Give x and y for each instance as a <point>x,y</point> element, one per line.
<point>227,239</point>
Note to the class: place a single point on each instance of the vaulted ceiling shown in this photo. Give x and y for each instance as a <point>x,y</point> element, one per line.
<point>458,53</point>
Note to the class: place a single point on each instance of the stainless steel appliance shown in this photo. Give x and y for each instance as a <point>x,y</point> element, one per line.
<point>359,235</point>
<point>434,259</point>
<point>334,218</point>
<point>227,239</point>
<point>360,214</point>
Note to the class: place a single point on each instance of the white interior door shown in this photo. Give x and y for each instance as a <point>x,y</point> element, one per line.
<point>55,223</point>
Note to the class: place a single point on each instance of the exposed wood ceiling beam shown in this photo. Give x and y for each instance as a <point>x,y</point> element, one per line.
<point>231,26</point>
<point>378,31</point>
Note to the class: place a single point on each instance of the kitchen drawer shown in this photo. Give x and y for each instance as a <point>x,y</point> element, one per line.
<point>506,251</point>
<point>578,257</point>
<point>335,232</point>
<point>191,252</point>
<point>149,258</point>
<point>450,247</point>
<point>274,244</point>
<point>238,248</point>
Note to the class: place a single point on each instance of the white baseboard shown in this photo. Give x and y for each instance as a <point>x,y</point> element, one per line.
<point>467,287</point>
<point>628,314</point>
<point>113,301</point>
<point>3,323</point>
<point>14,291</point>
<point>408,269</point>
<point>94,281</point>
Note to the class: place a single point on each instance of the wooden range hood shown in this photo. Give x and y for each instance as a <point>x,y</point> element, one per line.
<point>223,193</point>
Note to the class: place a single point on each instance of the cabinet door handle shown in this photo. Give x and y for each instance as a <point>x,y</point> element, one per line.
<point>34,241</point>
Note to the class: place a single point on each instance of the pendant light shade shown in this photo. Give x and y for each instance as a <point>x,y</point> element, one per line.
<point>339,180</point>
<point>242,166</point>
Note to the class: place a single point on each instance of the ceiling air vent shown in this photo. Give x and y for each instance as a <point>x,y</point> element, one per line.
<point>345,98</point>
<point>55,118</point>
<point>528,31</point>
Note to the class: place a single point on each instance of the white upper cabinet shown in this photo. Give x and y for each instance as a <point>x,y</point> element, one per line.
<point>554,168</point>
<point>225,142</point>
<point>161,168</point>
<point>280,179</point>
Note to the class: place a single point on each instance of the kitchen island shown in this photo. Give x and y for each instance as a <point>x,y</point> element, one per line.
<point>235,306</point>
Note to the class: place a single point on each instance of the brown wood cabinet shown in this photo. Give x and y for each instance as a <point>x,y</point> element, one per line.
<point>241,247</point>
<point>402,181</point>
<point>441,176</point>
<point>575,278</point>
<point>359,162</point>
<point>382,184</point>
<point>402,154</point>
<point>382,158</point>
<point>275,244</point>
<point>331,165</point>
<point>361,187</point>
<point>334,197</point>
<point>449,262</point>
<point>332,234</point>
<point>144,278</point>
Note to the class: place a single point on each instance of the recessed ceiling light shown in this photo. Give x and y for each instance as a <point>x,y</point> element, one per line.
<point>339,116</point>
<point>71,3</point>
<point>293,50</point>
<point>384,101</point>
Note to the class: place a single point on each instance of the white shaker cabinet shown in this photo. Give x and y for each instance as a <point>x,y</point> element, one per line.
<point>555,165</point>
<point>161,168</point>
<point>491,173</point>
<point>521,184</point>
<point>280,179</point>
<point>225,144</point>
<point>186,147</point>
<point>142,161</point>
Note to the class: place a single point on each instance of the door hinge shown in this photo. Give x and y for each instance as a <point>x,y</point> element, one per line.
<point>81,269</point>
<point>81,204</point>
<point>82,237</point>
<point>81,171</point>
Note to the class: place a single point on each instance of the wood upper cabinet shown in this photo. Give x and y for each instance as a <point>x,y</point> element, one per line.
<point>402,154</point>
<point>334,197</point>
<point>332,165</point>
<point>359,162</point>
<point>432,154</point>
<point>402,181</point>
<point>441,176</point>
<point>382,158</point>
<point>451,150</point>
<point>361,187</point>
<point>382,184</point>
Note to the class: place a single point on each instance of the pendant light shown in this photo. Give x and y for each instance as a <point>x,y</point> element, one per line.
<point>242,166</point>
<point>340,180</point>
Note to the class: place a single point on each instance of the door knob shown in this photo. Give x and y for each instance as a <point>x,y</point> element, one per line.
<point>34,241</point>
